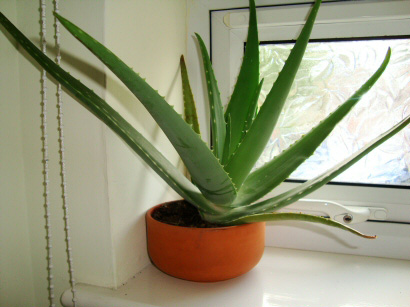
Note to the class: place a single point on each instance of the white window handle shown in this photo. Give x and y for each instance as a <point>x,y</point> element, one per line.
<point>338,212</point>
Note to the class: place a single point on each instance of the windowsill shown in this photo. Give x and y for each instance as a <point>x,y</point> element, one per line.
<point>284,277</point>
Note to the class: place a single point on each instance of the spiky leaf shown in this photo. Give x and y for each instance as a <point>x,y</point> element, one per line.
<point>274,172</point>
<point>265,217</point>
<point>205,169</point>
<point>310,186</point>
<point>253,109</point>
<point>246,85</point>
<point>227,140</point>
<point>112,119</point>
<point>218,124</point>
<point>254,143</point>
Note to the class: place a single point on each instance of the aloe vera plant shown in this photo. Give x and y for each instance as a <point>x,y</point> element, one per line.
<point>223,186</point>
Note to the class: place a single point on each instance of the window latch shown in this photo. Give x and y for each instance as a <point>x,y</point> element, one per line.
<point>338,212</point>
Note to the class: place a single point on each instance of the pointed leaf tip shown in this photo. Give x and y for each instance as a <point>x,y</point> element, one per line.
<point>253,144</point>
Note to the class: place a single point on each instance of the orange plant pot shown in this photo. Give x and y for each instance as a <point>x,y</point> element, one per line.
<point>204,254</point>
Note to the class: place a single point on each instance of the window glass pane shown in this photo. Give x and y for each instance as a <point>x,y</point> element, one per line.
<point>330,73</point>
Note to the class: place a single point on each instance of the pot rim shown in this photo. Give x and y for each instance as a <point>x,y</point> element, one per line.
<point>151,210</point>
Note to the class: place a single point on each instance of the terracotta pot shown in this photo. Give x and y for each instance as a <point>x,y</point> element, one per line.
<point>204,254</point>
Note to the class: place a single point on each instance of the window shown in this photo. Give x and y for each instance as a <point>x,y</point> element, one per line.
<point>330,73</point>
<point>352,24</point>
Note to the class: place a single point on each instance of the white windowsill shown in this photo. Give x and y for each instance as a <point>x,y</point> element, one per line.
<point>284,277</point>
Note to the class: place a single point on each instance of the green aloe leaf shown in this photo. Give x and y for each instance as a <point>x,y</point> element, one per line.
<point>206,171</point>
<point>274,172</point>
<point>309,186</point>
<point>227,140</point>
<point>253,109</point>
<point>191,116</point>
<point>168,172</point>
<point>246,85</point>
<point>218,124</point>
<point>265,217</point>
<point>249,151</point>
<point>275,203</point>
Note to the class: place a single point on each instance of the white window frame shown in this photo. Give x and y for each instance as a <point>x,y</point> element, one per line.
<point>225,30</point>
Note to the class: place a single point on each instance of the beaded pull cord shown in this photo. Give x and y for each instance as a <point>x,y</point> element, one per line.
<point>46,160</point>
<point>62,161</point>
<point>44,139</point>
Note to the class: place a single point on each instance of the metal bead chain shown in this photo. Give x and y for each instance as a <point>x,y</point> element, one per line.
<point>62,162</point>
<point>44,139</point>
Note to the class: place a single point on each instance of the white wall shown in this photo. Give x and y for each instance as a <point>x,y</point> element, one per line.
<point>109,187</point>
<point>151,41</point>
<point>15,261</point>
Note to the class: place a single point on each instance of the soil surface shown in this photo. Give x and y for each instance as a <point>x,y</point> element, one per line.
<point>181,213</point>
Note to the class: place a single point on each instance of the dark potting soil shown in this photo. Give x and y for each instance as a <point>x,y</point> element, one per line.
<point>181,213</point>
